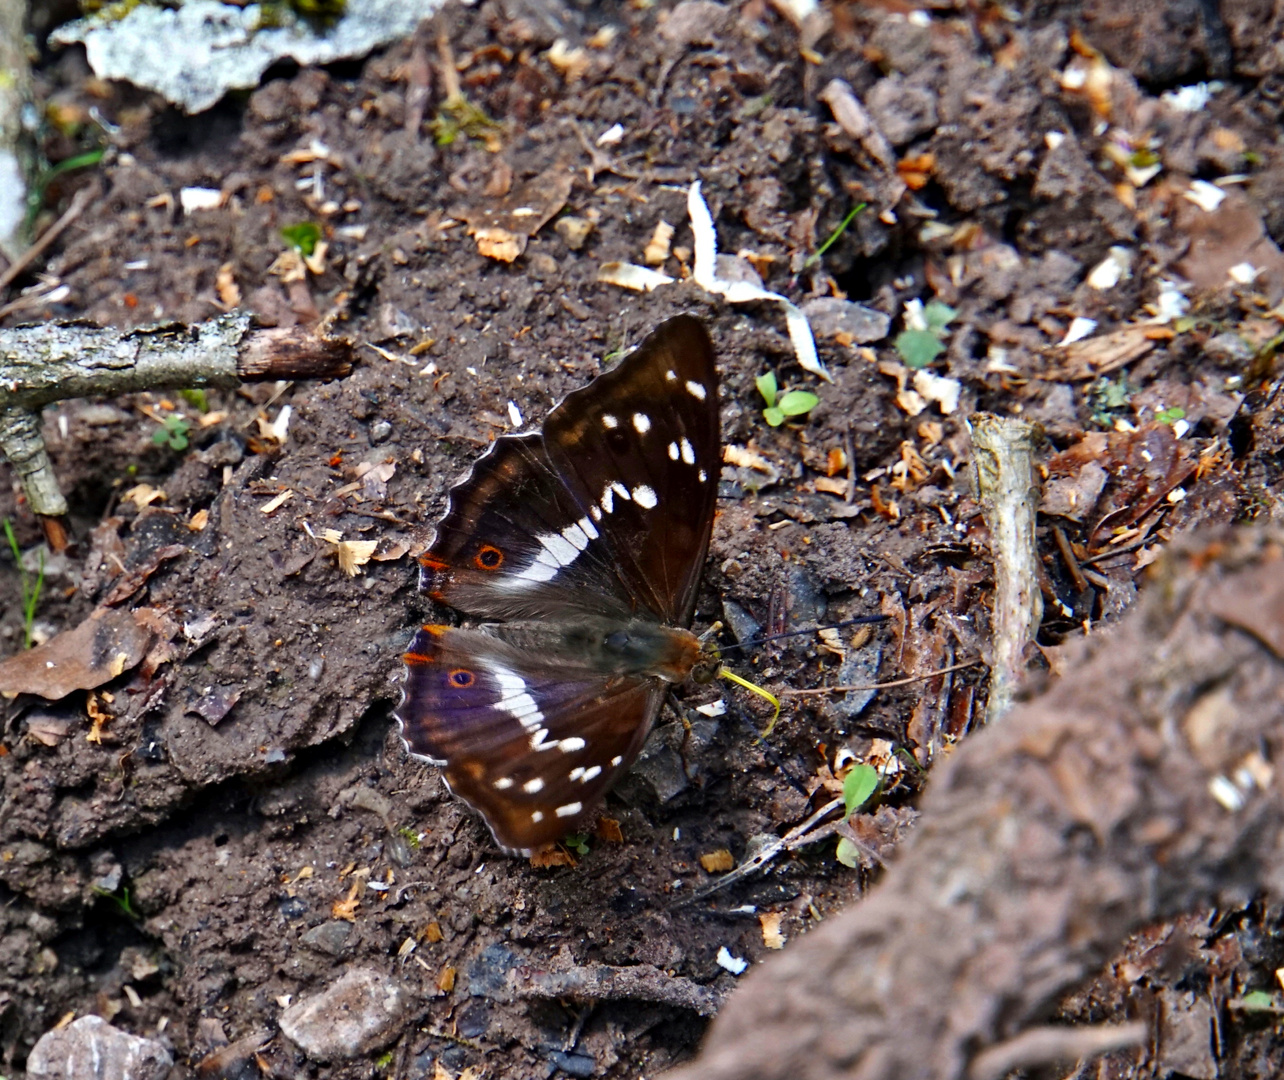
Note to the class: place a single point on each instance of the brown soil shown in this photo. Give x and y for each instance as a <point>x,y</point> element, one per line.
<point>196,853</point>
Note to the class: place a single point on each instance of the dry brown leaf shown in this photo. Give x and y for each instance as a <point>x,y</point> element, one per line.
<point>552,856</point>
<point>431,933</point>
<point>142,495</point>
<point>199,520</point>
<point>657,248</point>
<point>229,294</point>
<point>354,554</point>
<point>47,730</point>
<point>717,862</point>
<point>446,980</point>
<point>608,830</point>
<point>831,486</point>
<point>95,652</point>
<point>498,243</point>
<point>771,933</point>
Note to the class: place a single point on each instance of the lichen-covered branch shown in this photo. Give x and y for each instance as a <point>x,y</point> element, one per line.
<point>43,364</point>
<point>15,141</point>
<point>1121,797</point>
<point>1003,451</point>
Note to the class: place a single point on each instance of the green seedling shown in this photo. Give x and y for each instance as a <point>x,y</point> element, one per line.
<point>782,406</point>
<point>303,237</point>
<point>1171,415</point>
<point>196,399</point>
<point>30,587</point>
<point>578,843</point>
<point>409,835</point>
<point>1107,396</point>
<point>459,116</point>
<point>121,899</point>
<point>832,239</point>
<point>859,786</point>
<point>39,188</point>
<point>921,343</point>
<point>173,432</point>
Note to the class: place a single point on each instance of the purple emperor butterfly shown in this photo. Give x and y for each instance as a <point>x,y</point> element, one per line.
<point>579,551</point>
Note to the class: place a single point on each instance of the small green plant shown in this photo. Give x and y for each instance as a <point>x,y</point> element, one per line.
<point>1258,1001</point>
<point>173,432</point>
<point>410,836</point>
<point>196,399</point>
<point>30,587</point>
<point>1171,415</point>
<point>303,237</point>
<point>832,239</point>
<point>859,786</point>
<point>383,1060</point>
<point>781,406</point>
<point>923,338</point>
<point>121,899</point>
<point>578,843</point>
<point>1108,396</point>
<point>459,116</point>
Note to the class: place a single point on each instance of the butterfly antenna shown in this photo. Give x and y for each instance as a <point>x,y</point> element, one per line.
<point>857,621</point>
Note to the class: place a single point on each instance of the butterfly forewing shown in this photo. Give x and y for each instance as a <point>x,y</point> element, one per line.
<point>530,745</point>
<point>641,451</point>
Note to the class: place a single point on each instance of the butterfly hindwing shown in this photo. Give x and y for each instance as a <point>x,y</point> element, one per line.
<point>529,744</point>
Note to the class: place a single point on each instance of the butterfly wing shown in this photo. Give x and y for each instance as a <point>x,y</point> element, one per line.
<point>530,744</point>
<point>609,511</point>
<point>515,544</point>
<point>640,450</point>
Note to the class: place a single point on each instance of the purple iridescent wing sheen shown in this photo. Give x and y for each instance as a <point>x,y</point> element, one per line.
<point>530,745</point>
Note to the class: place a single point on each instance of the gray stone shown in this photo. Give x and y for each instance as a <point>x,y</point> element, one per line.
<point>91,1049</point>
<point>330,937</point>
<point>360,1013</point>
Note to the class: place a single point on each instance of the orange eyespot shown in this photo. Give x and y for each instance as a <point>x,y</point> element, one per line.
<point>462,678</point>
<point>489,557</point>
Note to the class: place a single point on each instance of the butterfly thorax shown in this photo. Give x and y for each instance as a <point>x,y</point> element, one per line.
<point>607,646</point>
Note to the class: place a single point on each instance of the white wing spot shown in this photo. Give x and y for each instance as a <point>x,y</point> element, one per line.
<point>608,500</point>
<point>688,452</point>
<point>587,526</point>
<point>672,376</point>
<point>537,816</point>
<point>645,497</point>
<point>576,536</point>
<point>673,451</point>
<point>703,476</point>
<point>537,740</point>
<point>531,787</point>
<point>615,761</point>
<point>516,701</point>
<point>591,772</point>
<point>621,490</point>
<point>503,783</point>
<point>641,423</point>
<point>569,746</point>
<point>609,421</point>
<point>569,810</point>
<point>696,390</point>
<point>597,513</point>
<point>575,773</point>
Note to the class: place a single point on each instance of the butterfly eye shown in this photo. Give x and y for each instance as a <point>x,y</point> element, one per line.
<point>462,678</point>
<point>489,557</point>
<point>617,641</point>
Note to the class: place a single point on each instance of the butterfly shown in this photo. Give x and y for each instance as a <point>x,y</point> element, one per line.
<point>578,551</point>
